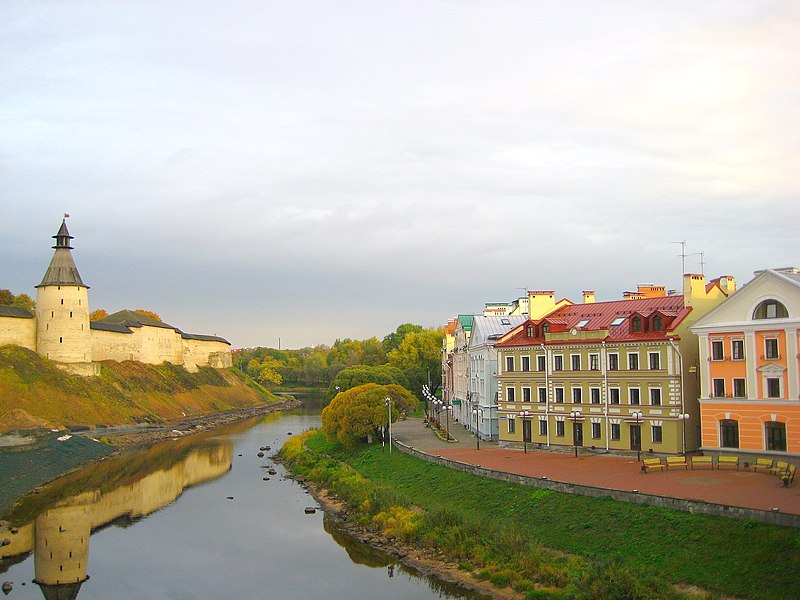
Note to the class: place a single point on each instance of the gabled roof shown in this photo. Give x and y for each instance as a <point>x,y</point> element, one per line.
<point>600,316</point>
<point>17,312</point>
<point>132,318</point>
<point>492,328</point>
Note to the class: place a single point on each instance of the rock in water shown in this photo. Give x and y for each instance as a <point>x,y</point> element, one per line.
<point>7,587</point>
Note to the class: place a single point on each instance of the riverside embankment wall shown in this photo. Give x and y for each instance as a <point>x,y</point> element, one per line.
<point>773,517</point>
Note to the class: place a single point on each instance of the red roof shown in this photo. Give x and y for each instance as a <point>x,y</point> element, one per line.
<point>599,317</point>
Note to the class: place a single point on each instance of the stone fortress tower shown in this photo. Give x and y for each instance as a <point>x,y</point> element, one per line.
<point>62,307</point>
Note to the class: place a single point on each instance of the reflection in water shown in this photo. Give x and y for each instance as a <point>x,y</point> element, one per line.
<point>59,534</point>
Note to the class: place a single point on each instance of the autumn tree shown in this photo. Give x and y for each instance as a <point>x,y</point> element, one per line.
<point>419,358</point>
<point>360,374</point>
<point>22,300</point>
<point>361,411</point>
<point>97,314</point>
<point>149,313</point>
<point>393,340</point>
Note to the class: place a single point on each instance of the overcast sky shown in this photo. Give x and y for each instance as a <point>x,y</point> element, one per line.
<point>313,170</point>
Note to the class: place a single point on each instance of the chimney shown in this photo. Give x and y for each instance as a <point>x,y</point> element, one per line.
<point>588,297</point>
<point>694,288</point>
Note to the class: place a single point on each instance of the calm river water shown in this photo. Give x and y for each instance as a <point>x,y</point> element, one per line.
<point>195,518</point>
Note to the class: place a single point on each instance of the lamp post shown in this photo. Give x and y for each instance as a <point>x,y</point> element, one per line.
<point>575,415</point>
<point>447,409</point>
<point>683,417</point>
<point>524,414</point>
<point>475,412</point>
<point>637,416</point>
<point>389,410</point>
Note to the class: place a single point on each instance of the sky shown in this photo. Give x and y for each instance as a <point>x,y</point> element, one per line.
<point>296,172</point>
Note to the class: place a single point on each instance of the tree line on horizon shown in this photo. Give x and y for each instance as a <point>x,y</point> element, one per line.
<point>410,356</point>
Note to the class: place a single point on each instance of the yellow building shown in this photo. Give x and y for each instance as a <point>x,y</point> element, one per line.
<point>610,375</point>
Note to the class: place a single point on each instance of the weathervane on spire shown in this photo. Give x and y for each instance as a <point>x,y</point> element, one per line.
<point>66,215</point>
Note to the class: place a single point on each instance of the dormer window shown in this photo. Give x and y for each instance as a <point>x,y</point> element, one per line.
<point>770,309</point>
<point>529,331</point>
<point>636,324</point>
<point>546,328</point>
<point>658,323</point>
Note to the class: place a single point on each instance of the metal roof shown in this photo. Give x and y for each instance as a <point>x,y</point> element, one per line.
<point>6,310</point>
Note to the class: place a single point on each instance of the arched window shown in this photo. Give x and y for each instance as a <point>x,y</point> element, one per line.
<point>770,309</point>
<point>529,331</point>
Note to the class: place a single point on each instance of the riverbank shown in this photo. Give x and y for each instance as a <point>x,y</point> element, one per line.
<point>38,458</point>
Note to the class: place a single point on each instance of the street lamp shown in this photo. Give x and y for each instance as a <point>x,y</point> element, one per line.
<point>475,412</point>
<point>637,416</point>
<point>447,409</point>
<point>575,415</point>
<point>524,414</point>
<point>389,410</point>
<point>683,417</point>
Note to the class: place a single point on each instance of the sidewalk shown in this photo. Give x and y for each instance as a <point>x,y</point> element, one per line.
<point>741,488</point>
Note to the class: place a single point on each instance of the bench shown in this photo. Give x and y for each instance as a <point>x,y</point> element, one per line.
<point>780,467</point>
<point>728,461</point>
<point>788,476</point>
<point>703,461</point>
<point>763,463</point>
<point>676,461</point>
<point>652,463</point>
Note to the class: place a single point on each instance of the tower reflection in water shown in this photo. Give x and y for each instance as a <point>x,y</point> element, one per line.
<point>130,487</point>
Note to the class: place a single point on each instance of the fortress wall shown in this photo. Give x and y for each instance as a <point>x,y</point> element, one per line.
<point>18,332</point>
<point>206,353</point>
<point>110,345</point>
<point>159,345</point>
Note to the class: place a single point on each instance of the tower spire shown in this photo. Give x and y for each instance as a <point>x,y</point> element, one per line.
<point>62,269</point>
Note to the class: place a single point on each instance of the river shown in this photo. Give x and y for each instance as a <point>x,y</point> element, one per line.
<point>199,517</point>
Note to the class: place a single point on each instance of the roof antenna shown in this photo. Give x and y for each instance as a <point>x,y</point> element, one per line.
<point>702,256</point>
<point>683,256</point>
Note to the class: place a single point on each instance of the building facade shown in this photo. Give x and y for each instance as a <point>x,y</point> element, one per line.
<point>609,375</point>
<point>750,368</point>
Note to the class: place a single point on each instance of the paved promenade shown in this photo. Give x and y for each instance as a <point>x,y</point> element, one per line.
<point>741,488</point>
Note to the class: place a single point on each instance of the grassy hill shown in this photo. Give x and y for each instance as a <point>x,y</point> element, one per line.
<point>33,389</point>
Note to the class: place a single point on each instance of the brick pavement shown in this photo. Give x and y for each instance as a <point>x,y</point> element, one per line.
<point>741,488</point>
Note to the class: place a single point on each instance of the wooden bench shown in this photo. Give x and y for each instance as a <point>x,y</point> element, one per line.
<point>703,461</point>
<point>763,463</point>
<point>788,476</point>
<point>728,461</point>
<point>781,466</point>
<point>652,463</point>
<point>676,461</point>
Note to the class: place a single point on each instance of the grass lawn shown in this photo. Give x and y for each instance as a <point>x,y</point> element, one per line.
<point>740,558</point>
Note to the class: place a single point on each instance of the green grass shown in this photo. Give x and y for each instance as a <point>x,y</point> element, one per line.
<point>573,543</point>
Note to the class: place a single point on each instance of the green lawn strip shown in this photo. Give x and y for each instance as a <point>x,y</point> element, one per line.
<point>742,558</point>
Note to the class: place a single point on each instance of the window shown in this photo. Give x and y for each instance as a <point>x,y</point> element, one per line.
<point>773,387</point>
<point>776,435</point>
<point>560,395</point>
<point>719,388</point>
<point>509,364</point>
<point>655,396</point>
<point>739,388</point>
<point>614,395</point>
<point>613,362</point>
<point>542,394</point>
<point>529,331</point>
<point>594,393</point>
<point>577,395</point>
<point>595,431</point>
<point>618,321</point>
<point>542,427</point>
<point>558,363</point>
<point>510,396</point>
<point>658,323</point>
<point>634,395</point>
<point>615,431</point>
<point>655,360</point>
<point>594,362</point>
<point>576,362</point>
<point>737,349</point>
<point>770,309</point>
<point>511,426</point>
<point>582,323</point>
<point>526,394</point>
<point>560,428</point>
<point>633,362</point>
<point>729,433</point>
<point>526,363</point>
<point>636,324</point>
<point>541,363</point>
<point>716,350</point>
<point>771,348</point>
<point>657,434</point>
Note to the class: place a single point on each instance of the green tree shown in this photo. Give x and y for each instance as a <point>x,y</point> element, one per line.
<point>361,374</point>
<point>23,300</point>
<point>393,340</point>
<point>361,411</point>
<point>419,357</point>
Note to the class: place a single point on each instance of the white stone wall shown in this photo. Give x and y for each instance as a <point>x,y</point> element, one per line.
<point>18,332</point>
<point>206,353</point>
<point>62,314</point>
<point>110,345</point>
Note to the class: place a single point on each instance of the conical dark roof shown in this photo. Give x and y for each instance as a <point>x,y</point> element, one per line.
<point>62,269</point>
<point>63,591</point>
